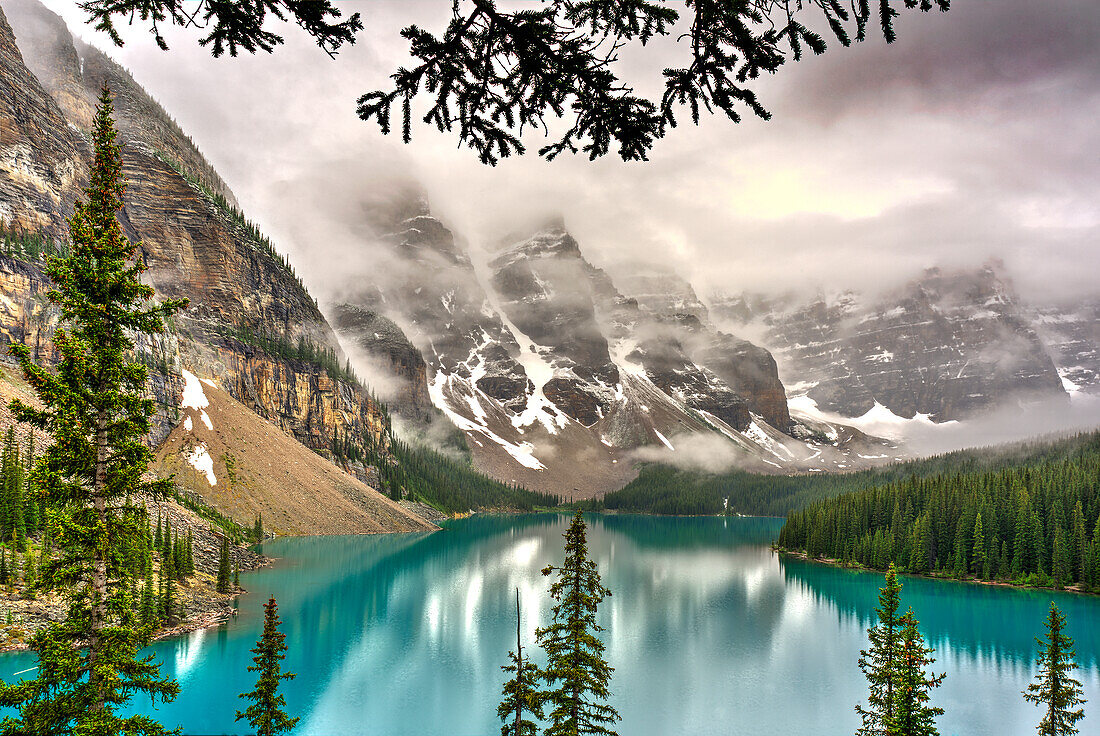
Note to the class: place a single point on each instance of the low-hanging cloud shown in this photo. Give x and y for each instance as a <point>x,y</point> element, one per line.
<point>1008,424</point>
<point>973,136</point>
<point>708,452</point>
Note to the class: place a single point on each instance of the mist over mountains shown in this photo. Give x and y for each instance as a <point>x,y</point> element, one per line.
<point>548,363</point>
<point>556,378</point>
<point>719,306</point>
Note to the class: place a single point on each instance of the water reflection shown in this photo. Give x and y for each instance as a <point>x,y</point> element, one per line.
<point>985,622</point>
<point>709,632</point>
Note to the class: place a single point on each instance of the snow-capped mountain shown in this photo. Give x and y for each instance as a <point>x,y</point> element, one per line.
<point>1072,335</point>
<point>558,379</point>
<point>948,345</point>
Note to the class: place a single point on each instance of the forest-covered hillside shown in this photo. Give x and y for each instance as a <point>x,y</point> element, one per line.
<point>453,485</point>
<point>1036,522</point>
<point>661,489</point>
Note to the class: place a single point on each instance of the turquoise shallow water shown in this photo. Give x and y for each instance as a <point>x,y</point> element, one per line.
<point>709,632</point>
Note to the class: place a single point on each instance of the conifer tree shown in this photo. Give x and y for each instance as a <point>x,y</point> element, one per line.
<point>1093,566</point>
<point>9,472</point>
<point>15,495</point>
<point>179,559</point>
<point>166,541</point>
<point>520,692</point>
<point>31,509</point>
<point>912,716</point>
<point>576,673</point>
<point>258,529</point>
<point>918,560</point>
<point>880,662</point>
<point>266,714</point>
<point>148,614</point>
<point>168,591</point>
<point>224,571</point>
<point>1080,544</point>
<point>96,413</point>
<point>47,542</point>
<point>978,559</point>
<point>1062,563</point>
<point>1055,688</point>
<point>30,570</point>
<point>190,553</point>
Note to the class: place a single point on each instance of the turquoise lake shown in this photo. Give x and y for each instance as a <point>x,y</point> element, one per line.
<point>710,632</point>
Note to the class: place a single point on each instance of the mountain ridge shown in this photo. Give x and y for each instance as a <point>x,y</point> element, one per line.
<point>949,344</point>
<point>557,379</point>
<point>251,326</point>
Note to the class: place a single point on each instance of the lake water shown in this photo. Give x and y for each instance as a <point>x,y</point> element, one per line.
<point>709,631</point>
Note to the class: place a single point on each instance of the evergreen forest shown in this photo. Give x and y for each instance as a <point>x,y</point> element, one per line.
<point>1035,522</point>
<point>660,489</point>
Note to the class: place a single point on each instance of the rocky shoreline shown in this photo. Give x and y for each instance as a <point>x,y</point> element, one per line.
<point>204,607</point>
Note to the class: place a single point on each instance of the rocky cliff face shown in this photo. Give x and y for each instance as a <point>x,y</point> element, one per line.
<point>1071,333</point>
<point>251,324</point>
<point>550,294</point>
<point>73,73</point>
<point>26,316</point>
<point>667,306</point>
<point>948,345</point>
<point>556,377</point>
<point>41,157</point>
<point>381,348</point>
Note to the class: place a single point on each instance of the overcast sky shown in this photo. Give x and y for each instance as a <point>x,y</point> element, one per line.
<point>975,135</point>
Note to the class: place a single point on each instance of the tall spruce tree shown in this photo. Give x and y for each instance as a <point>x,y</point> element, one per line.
<point>912,716</point>
<point>10,478</point>
<point>30,496</point>
<point>1061,563</point>
<point>224,570</point>
<point>576,673</point>
<point>148,613</point>
<point>1055,688</point>
<point>95,411</point>
<point>978,560</point>
<point>266,713</point>
<point>520,693</point>
<point>1092,572</point>
<point>1080,544</point>
<point>880,662</point>
<point>168,603</point>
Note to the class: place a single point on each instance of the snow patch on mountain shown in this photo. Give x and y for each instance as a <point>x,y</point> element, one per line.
<point>878,420</point>
<point>195,398</point>
<point>664,440</point>
<point>200,460</point>
<point>444,386</point>
<point>539,370</point>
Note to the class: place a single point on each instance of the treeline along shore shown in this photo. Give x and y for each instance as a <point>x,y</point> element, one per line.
<point>1034,524</point>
